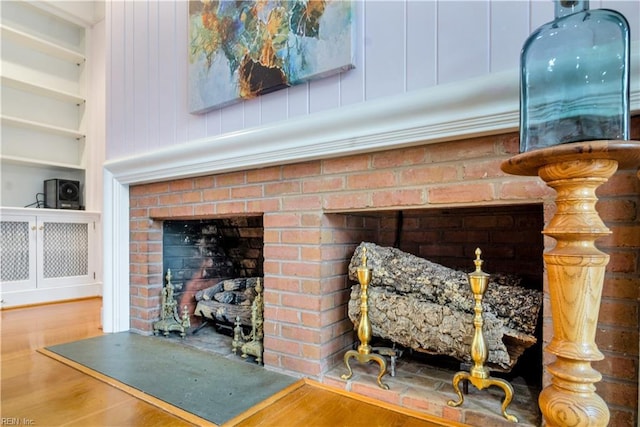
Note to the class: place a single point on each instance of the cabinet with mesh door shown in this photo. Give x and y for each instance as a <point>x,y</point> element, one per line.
<point>47,256</point>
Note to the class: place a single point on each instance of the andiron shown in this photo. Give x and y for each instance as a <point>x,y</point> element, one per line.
<point>364,353</point>
<point>479,374</point>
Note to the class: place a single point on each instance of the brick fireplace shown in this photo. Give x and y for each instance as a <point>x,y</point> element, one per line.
<point>314,213</point>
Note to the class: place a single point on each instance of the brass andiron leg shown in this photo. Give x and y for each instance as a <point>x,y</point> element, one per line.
<point>479,375</point>
<point>364,354</point>
<point>238,340</point>
<point>170,320</point>
<point>253,343</point>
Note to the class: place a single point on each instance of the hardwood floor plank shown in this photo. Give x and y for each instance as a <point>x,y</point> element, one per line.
<point>130,413</point>
<point>314,404</point>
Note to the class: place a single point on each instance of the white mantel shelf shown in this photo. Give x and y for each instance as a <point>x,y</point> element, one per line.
<point>479,106</point>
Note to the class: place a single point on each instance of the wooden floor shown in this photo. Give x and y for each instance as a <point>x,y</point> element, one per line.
<point>40,391</point>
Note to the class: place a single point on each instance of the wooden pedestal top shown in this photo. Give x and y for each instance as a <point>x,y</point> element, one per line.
<point>626,153</point>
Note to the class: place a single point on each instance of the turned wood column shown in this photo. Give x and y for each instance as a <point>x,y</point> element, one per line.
<point>575,270</point>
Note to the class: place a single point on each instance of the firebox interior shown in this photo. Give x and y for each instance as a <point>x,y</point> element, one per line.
<point>203,252</point>
<point>511,243</point>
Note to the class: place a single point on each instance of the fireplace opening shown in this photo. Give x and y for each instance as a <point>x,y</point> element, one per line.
<point>217,262</point>
<point>204,253</point>
<point>511,243</point>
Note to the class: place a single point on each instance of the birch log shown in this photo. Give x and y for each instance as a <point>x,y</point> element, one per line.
<point>429,307</point>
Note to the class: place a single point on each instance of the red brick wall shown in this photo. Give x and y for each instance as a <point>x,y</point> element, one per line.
<point>508,235</point>
<point>618,323</point>
<point>307,248</point>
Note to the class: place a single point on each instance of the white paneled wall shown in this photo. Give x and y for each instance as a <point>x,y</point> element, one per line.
<point>401,46</point>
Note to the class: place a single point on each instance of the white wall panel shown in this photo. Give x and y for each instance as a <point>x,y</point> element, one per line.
<point>273,108</point>
<point>297,100</point>
<point>141,67</point>
<point>167,59</point>
<point>188,126</point>
<point>324,94</point>
<point>252,114</point>
<point>509,26</point>
<point>463,36</point>
<point>214,122</point>
<point>116,144</point>
<point>384,48</point>
<point>153,74</point>
<point>128,78</point>
<point>401,46</point>
<point>352,82</point>
<point>422,28</point>
<point>232,117</point>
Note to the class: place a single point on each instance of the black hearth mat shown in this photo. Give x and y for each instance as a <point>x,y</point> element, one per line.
<point>202,383</point>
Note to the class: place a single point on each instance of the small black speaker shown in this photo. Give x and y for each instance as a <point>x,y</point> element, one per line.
<point>61,194</point>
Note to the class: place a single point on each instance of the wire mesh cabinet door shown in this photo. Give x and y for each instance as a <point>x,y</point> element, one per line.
<point>17,253</point>
<point>63,251</point>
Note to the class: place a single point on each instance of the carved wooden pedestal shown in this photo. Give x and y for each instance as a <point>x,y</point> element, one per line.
<point>575,269</point>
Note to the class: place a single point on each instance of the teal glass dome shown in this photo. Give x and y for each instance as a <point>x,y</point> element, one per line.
<point>574,78</point>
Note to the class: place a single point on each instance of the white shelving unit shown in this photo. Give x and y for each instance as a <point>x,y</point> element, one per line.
<point>52,126</point>
<point>44,101</point>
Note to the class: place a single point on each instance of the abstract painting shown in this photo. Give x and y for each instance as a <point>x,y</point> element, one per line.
<point>242,49</point>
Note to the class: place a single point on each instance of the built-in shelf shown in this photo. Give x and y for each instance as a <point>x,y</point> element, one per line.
<point>29,124</point>
<point>50,123</point>
<point>24,161</point>
<point>41,45</point>
<point>41,90</point>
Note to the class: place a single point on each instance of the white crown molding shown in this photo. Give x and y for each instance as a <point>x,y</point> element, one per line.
<point>474,107</point>
<point>488,104</point>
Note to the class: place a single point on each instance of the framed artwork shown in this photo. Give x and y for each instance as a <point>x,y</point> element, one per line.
<point>242,49</point>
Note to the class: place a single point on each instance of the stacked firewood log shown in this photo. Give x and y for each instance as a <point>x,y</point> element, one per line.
<point>429,307</point>
<point>227,300</point>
